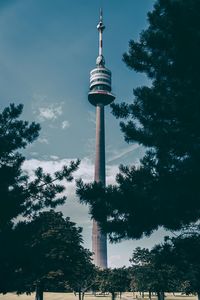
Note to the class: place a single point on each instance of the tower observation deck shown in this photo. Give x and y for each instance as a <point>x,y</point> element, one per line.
<point>100,94</point>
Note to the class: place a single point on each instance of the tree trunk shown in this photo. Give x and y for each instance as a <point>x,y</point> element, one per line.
<point>142,294</point>
<point>198,295</point>
<point>79,295</point>
<point>149,295</point>
<point>83,294</point>
<point>39,292</point>
<point>161,295</point>
<point>113,295</point>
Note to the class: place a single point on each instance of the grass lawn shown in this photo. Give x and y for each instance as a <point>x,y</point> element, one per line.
<point>70,296</point>
<point>51,296</point>
<point>47,296</point>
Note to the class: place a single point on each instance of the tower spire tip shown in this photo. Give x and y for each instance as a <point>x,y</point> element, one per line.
<point>100,27</point>
<point>101,14</point>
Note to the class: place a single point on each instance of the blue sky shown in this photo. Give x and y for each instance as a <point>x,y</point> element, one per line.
<point>47,49</point>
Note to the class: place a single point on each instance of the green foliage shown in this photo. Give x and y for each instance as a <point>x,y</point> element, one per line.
<point>8,258</point>
<point>23,246</point>
<point>152,271</point>
<point>83,277</point>
<point>185,257</point>
<point>141,257</point>
<point>50,254</point>
<point>113,280</point>
<point>164,118</point>
<point>173,266</point>
<point>20,195</point>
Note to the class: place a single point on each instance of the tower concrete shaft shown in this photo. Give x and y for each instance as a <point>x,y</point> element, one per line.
<point>100,173</point>
<point>100,95</point>
<point>99,240</point>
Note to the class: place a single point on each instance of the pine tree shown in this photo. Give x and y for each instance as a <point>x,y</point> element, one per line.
<point>21,196</point>
<point>164,118</point>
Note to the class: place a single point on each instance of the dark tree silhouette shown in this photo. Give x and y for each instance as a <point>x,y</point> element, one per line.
<point>20,195</point>
<point>50,255</point>
<point>153,271</point>
<point>165,118</point>
<point>83,277</point>
<point>184,256</point>
<point>113,281</point>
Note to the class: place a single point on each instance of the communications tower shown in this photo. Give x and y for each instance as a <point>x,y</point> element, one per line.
<point>100,95</point>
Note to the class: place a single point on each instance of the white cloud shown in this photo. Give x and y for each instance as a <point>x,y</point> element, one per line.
<point>50,112</point>
<point>43,140</point>
<point>45,108</point>
<point>85,170</point>
<point>54,157</point>
<point>65,124</point>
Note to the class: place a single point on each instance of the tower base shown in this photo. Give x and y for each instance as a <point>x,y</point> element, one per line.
<point>99,246</point>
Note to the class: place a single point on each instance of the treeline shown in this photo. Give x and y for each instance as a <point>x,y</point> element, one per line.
<point>173,266</point>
